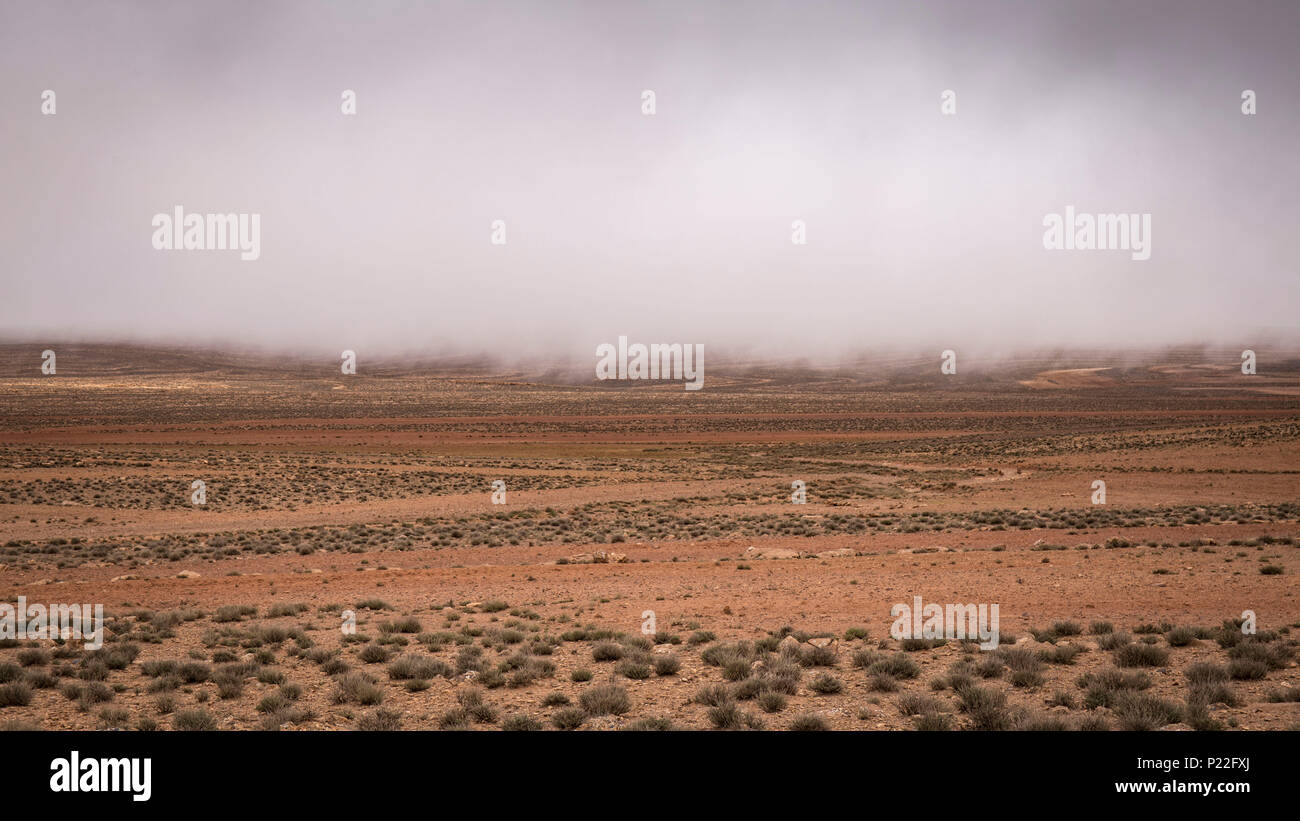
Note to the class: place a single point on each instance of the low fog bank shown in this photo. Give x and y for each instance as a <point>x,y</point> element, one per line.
<point>21,358</point>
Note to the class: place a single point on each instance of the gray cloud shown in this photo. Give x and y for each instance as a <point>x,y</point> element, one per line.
<point>923,229</point>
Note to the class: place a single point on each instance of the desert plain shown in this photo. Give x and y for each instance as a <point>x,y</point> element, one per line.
<point>354,564</point>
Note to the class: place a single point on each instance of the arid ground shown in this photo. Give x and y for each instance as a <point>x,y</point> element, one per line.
<point>372,493</point>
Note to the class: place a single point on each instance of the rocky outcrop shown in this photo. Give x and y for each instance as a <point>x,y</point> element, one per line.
<point>770,553</point>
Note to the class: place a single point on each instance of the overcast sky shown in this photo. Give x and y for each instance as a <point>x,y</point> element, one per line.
<point>922,228</point>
